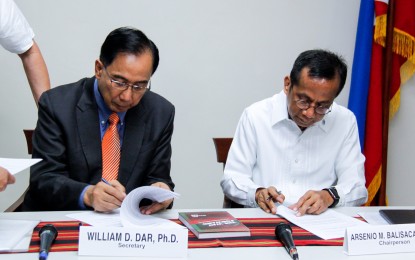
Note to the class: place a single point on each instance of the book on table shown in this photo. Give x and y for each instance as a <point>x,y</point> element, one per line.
<point>213,224</point>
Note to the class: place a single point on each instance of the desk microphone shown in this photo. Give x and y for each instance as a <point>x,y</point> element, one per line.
<point>284,234</point>
<point>47,234</point>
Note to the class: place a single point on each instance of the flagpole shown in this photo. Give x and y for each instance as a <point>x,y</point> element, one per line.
<point>386,99</point>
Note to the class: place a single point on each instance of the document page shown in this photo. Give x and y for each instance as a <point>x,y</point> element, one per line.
<point>129,214</point>
<point>99,219</point>
<point>330,224</point>
<point>373,218</point>
<point>17,165</point>
<point>15,234</point>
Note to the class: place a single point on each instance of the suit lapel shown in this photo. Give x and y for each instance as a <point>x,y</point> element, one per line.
<point>133,139</point>
<point>89,133</point>
<point>88,127</point>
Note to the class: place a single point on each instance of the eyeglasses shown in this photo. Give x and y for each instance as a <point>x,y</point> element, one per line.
<point>321,110</point>
<point>140,87</point>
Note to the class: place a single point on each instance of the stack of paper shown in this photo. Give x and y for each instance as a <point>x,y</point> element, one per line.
<point>328,225</point>
<point>129,214</point>
<point>15,235</point>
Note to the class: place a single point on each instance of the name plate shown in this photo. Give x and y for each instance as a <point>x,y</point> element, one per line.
<point>379,239</point>
<point>137,241</point>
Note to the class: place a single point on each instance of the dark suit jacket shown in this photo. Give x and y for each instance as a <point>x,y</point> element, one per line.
<point>67,138</point>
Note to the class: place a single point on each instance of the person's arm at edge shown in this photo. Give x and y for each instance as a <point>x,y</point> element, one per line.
<point>5,178</point>
<point>36,71</point>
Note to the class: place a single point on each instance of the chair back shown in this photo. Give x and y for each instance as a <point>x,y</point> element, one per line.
<point>28,133</point>
<point>222,146</point>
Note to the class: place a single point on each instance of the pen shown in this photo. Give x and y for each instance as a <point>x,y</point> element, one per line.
<point>278,192</point>
<point>105,181</point>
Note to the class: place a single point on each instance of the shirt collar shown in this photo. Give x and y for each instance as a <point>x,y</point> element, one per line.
<point>279,108</point>
<point>103,110</point>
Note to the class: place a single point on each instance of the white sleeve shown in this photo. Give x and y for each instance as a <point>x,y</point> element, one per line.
<point>16,35</point>
<point>350,170</point>
<point>237,181</point>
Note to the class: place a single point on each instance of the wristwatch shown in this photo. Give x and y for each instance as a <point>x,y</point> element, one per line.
<point>333,193</point>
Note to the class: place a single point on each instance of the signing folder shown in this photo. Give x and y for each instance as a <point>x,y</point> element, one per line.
<point>398,216</point>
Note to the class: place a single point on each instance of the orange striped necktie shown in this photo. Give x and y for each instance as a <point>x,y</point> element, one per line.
<point>111,149</point>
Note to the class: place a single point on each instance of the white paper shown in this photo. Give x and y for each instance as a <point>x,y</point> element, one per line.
<point>23,245</point>
<point>99,219</point>
<point>329,224</point>
<point>17,165</point>
<point>373,218</point>
<point>129,214</point>
<point>14,233</point>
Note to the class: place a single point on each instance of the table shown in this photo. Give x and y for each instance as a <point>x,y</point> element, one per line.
<point>264,253</point>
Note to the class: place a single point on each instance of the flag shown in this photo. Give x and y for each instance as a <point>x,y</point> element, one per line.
<point>366,92</point>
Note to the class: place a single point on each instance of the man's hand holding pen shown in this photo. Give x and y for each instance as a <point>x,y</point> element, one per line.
<point>266,198</point>
<point>105,196</point>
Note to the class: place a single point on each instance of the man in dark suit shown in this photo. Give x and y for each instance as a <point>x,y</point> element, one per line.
<point>73,120</point>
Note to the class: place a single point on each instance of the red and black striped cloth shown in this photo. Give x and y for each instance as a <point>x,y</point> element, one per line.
<point>262,235</point>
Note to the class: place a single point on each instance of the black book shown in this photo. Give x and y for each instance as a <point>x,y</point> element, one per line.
<point>398,216</point>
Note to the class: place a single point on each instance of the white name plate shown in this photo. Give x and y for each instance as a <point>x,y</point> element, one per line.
<point>379,239</point>
<point>137,241</point>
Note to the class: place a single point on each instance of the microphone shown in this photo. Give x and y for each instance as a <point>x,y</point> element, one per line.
<point>47,234</point>
<point>284,234</point>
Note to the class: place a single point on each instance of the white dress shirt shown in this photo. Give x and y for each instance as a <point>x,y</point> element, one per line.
<point>16,35</point>
<point>269,149</point>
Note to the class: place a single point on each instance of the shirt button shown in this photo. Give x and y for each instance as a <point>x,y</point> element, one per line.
<point>102,122</point>
<point>296,161</point>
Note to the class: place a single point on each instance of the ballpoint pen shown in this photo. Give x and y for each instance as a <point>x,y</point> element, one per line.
<point>105,181</point>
